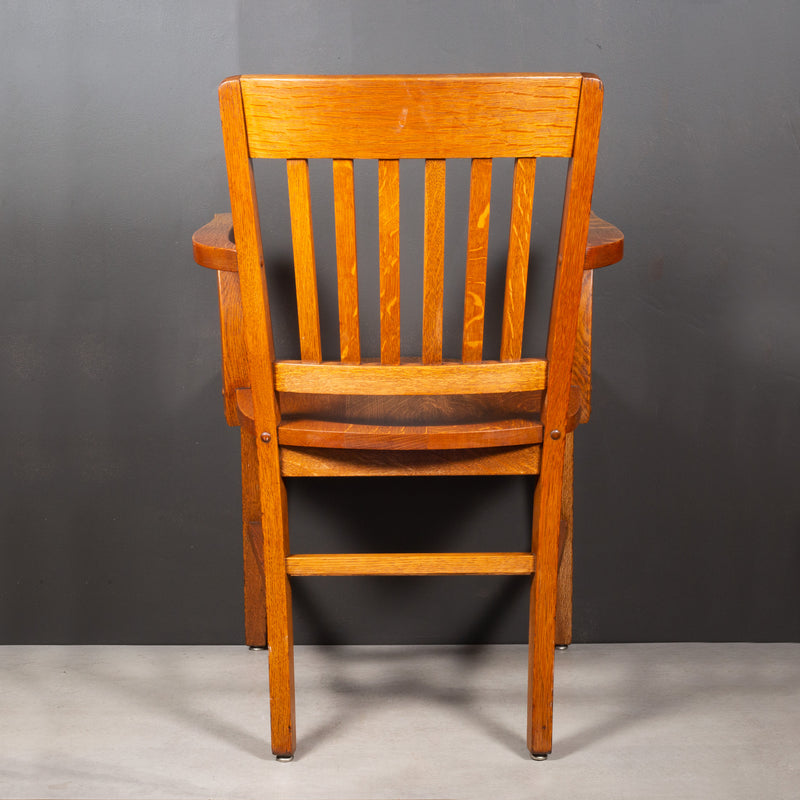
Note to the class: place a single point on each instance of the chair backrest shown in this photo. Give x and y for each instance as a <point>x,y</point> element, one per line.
<point>388,118</point>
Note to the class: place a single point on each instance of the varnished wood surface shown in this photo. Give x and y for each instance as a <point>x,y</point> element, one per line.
<point>582,360</point>
<point>560,348</point>
<point>346,260</point>
<point>260,349</point>
<point>304,432</point>
<point>317,462</point>
<point>410,416</point>
<point>408,423</point>
<point>213,244</point>
<point>519,243</point>
<point>480,196</point>
<point>412,564</point>
<point>235,372</point>
<point>305,270</point>
<point>605,244</point>
<point>255,603</point>
<point>410,116</point>
<point>389,258</point>
<point>433,262</point>
<point>411,378</point>
<point>563,629</point>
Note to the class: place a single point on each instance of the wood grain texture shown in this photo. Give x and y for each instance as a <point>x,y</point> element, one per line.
<point>582,360</point>
<point>411,409</point>
<point>519,244</point>
<point>402,410</point>
<point>560,347</point>
<point>563,628</point>
<point>255,603</point>
<point>408,422</point>
<point>261,354</point>
<point>315,419</point>
<point>235,370</point>
<point>480,196</point>
<point>346,260</point>
<point>410,378</point>
<point>389,258</point>
<point>433,261</point>
<point>213,245</point>
<point>255,302</point>
<point>317,462</point>
<point>605,244</point>
<point>410,116</point>
<point>305,270</point>
<point>305,432</point>
<point>412,564</point>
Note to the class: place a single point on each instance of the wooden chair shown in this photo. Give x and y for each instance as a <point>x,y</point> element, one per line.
<point>398,415</point>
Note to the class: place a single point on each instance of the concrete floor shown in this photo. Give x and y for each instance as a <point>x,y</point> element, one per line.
<point>631,721</point>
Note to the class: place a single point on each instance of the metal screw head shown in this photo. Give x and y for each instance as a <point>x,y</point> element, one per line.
<point>555,434</point>
<point>265,437</point>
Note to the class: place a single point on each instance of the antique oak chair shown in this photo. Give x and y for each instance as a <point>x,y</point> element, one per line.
<point>398,415</point>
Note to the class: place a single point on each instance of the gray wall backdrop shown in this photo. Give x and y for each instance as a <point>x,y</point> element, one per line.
<point>120,517</point>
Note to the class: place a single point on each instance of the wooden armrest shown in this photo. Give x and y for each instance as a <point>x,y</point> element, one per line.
<point>214,246</point>
<point>604,245</point>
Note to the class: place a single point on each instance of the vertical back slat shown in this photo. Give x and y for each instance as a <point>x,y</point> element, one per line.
<point>433,263</point>
<point>389,246</point>
<point>346,260</point>
<point>304,266</point>
<point>480,193</point>
<point>519,241</point>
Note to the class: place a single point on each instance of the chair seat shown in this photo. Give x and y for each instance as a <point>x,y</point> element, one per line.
<point>406,423</point>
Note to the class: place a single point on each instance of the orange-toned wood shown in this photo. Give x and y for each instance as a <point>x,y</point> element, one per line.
<point>582,360</point>
<point>389,258</point>
<point>519,243</point>
<point>408,422</point>
<point>306,432</point>
<point>433,263</point>
<point>560,347</point>
<point>255,604</point>
<point>412,564</point>
<point>315,419</point>
<point>260,350</point>
<point>563,631</point>
<point>480,195</point>
<point>255,304</point>
<point>409,409</point>
<point>411,378</point>
<point>316,462</point>
<point>213,245</point>
<point>403,409</point>
<point>346,260</point>
<point>410,116</point>
<point>605,244</point>
<point>215,248</point>
<point>305,270</point>
<point>235,372</point>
